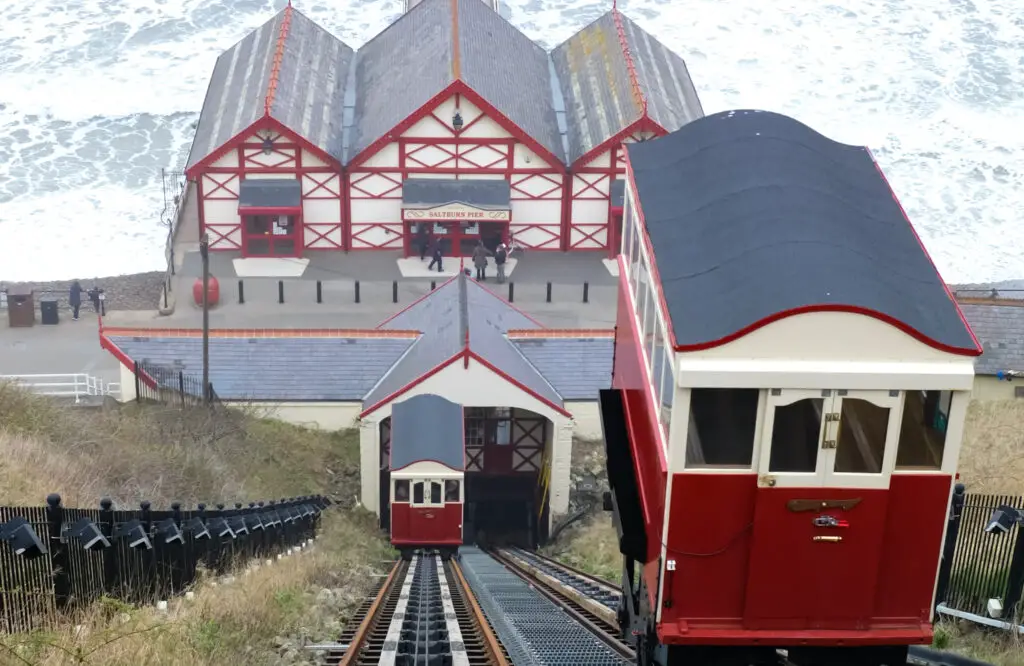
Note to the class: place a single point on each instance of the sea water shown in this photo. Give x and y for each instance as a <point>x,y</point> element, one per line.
<point>96,96</point>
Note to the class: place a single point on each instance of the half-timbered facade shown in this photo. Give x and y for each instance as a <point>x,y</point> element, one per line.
<point>516,143</point>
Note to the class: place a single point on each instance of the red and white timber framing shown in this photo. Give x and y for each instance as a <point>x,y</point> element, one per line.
<point>245,156</point>
<point>591,223</point>
<point>426,145</point>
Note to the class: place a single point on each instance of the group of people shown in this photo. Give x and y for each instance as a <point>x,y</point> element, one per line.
<point>95,294</point>
<point>480,257</point>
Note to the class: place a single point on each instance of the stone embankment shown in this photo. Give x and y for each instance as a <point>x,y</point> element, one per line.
<point>135,291</point>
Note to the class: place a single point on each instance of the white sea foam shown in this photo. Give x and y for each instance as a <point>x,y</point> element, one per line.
<point>96,97</point>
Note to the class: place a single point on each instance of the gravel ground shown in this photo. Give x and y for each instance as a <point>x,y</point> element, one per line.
<point>136,291</point>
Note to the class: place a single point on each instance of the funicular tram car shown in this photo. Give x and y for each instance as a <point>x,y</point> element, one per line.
<point>790,383</point>
<point>427,474</point>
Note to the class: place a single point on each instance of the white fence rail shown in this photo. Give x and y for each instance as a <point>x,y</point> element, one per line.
<point>74,386</point>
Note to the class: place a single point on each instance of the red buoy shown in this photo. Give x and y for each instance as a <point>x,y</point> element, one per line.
<point>212,291</point>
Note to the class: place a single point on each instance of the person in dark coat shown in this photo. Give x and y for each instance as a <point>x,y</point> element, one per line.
<point>435,256</point>
<point>423,240</point>
<point>480,260</point>
<point>500,256</point>
<point>75,298</point>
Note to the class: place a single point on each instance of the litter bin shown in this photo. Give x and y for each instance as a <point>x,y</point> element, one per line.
<point>48,312</point>
<point>21,307</point>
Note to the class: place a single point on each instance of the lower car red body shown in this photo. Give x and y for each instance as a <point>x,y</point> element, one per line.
<point>426,527</point>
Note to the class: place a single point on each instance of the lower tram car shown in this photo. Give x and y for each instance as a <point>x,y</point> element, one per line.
<point>790,382</point>
<point>427,462</point>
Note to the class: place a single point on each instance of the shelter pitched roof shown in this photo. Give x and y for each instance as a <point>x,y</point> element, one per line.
<point>753,215</point>
<point>461,315</point>
<point>611,74</point>
<point>290,69</point>
<point>438,42</point>
<point>578,364</point>
<point>427,427</point>
<point>282,366</point>
<point>1000,329</point>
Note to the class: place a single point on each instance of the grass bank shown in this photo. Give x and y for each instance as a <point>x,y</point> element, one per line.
<point>132,453</point>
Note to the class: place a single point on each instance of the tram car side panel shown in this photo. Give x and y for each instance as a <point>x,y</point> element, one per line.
<point>427,473</point>
<point>645,442</point>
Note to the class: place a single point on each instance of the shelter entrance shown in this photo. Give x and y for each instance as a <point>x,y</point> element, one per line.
<point>455,213</point>
<point>505,457</point>
<point>271,213</point>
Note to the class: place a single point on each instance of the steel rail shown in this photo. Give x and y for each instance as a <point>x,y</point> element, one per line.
<point>568,568</point>
<point>492,646</point>
<point>357,642</point>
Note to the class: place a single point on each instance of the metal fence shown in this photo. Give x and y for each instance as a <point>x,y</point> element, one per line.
<point>168,385</point>
<point>58,559</point>
<point>978,565</point>
<point>72,385</point>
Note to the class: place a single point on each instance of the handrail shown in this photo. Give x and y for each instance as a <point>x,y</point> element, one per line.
<point>70,385</point>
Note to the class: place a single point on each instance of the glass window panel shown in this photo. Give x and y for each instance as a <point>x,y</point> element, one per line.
<point>668,381</point>
<point>923,429</point>
<point>417,492</point>
<point>435,492</point>
<point>451,491</point>
<point>628,226</point>
<point>639,286</point>
<point>402,490</point>
<point>723,426</point>
<point>860,444</point>
<point>796,433</point>
<point>657,370</point>
<point>650,324</point>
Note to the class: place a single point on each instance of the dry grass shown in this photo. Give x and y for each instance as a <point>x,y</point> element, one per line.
<point>992,457</point>
<point>592,547</point>
<point>997,648</point>
<point>162,454</point>
<point>244,622</point>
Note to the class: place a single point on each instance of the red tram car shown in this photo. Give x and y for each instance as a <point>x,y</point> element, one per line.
<point>427,474</point>
<point>791,378</point>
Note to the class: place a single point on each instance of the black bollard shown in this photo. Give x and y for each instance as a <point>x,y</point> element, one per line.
<point>511,292</point>
<point>549,292</point>
<point>433,285</point>
<point>586,292</point>
<point>357,291</point>
<point>319,292</point>
<point>280,291</point>
<point>241,292</point>
<point>394,291</point>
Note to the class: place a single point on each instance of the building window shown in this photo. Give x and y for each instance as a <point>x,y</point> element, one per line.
<point>488,426</point>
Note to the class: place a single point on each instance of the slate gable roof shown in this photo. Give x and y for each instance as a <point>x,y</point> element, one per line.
<point>1000,330</point>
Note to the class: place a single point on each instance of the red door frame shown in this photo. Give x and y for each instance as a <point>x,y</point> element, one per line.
<point>455,235</point>
<point>296,235</point>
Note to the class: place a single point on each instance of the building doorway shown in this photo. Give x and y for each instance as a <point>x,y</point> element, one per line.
<point>272,235</point>
<point>457,238</point>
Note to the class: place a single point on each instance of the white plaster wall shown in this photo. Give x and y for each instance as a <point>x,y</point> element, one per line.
<point>311,160</point>
<point>586,416</point>
<point>472,386</point>
<point>227,161</point>
<point>319,415</point>
<point>386,157</point>
<point>127,384</point>
<point>989,387</point>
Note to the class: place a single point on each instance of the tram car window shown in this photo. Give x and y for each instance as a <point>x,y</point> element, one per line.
<point>790,384</point>
<point>427,467</point>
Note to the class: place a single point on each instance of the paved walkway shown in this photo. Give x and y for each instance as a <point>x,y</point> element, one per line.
<point>69,347</point>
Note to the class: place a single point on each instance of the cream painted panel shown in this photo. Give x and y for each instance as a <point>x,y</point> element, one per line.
<point>537,211</point>
<point>384,158</point>
<point>375,185</point>
<point>324,237</point>
<point>376,210</point>
<point>369,464</point>
<point>524,158</point>
<point>262,175</point>
<point>317,415</point>
<point>590,211</point>
<point>990,387</point>
<point>309,159</point>
<point>374,237</point>
<point>229,160</point>
<point>425,468</point>
<point>818,336</point>
<point>428,127</point>
<point>587,237</point>
<point>602,161</point>
<point>221,211</point>
<point>547,186</point>
<point>321,211</point>
<point>586,416</point>
<point>127,384</point>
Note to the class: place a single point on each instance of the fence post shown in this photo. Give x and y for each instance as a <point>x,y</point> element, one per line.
<point>956,509</point>
<point>59,559</point>
<point>357,291</point>
<point>138,393</point>
<point>394,291</point>
<point>241,292</point>
<point>1015,584</point>
<point>152,585</point>
<point>110,578</point>
<point>183,555</point>
<point>280,291</point>
<point>181,387</point>
<point>586,292</point>
<point>319,292</point>
<point>511,292</point>
<point>549,293</point>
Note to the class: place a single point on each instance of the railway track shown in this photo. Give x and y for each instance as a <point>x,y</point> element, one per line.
<point>424,613</point>
<point>594,588</point>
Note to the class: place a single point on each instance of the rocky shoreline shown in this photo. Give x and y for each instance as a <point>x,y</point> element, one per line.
<point>134,291</point>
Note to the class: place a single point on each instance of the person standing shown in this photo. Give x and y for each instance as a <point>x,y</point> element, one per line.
<point>435,257</point>
<point>480,260</point>
<point>75,298</point>
<point>500,256</point>
<point>423,239</point>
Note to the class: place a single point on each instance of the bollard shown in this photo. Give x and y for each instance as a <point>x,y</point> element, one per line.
<point>433,285</point>
<point>394,291</point>
<point>357,291</point>
<point>280,291</point>
<point>511,292</point>
<point>586,292</point>
<point>319,292</point>
<point>549,292</point>
<point>241,292</point>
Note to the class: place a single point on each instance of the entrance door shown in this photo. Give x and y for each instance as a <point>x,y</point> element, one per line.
<point>820,510</point>
<point>271,235</point>
<point>427,500</point>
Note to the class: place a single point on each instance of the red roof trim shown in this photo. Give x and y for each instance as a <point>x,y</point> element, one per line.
<point>262,333</point>
<point>977,345</point>
<point>419,380</point>
<point>275,69</point>
<point>518,333</point>
<point>634,82</point>
<point>530,392</point>
<point>417,301</point>
<point>116,351</point>
<point>643,124</point>
<point>833,307</point>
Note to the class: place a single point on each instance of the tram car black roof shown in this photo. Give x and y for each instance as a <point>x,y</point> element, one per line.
<point>427,427</point>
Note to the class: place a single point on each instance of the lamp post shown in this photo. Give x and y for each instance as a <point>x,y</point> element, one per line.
<point>204,251</point>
